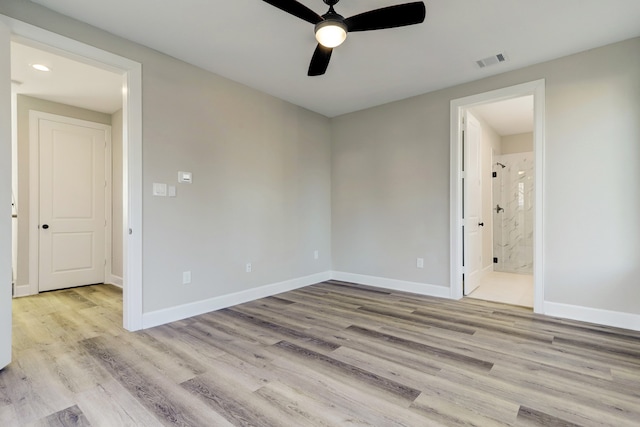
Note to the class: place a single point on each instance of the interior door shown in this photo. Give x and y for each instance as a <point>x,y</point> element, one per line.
<point>72,202</point>
<point>5,197</point>
<point>472,204</point>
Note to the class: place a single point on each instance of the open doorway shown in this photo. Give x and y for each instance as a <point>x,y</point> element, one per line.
<point>507,201</point>
<point>475,256</point>
<point>68,141</point>
<point>130,75</point>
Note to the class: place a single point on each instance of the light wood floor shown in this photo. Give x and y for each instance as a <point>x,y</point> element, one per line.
<point>331,354</point>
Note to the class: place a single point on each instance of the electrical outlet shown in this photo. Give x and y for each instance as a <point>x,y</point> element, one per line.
<point>420,263</point>
<point>186,277</point>
<point>248,267</point>
<point>316,255</point>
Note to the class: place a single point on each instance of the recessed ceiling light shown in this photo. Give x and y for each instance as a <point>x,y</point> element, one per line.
<point>41,67</point>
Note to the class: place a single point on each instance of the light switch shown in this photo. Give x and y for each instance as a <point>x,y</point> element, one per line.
<point>185,177</point>
<point>172,191</point>
<point>159,189</point>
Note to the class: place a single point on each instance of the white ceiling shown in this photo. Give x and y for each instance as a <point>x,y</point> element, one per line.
<point>509,117</point>
<point>254,43</point>
<point>69,82</point>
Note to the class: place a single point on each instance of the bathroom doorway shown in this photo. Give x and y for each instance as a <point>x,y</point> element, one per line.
<point>511,146</point>
<point>508,201</point>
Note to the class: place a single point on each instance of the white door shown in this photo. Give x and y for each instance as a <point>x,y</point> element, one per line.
<point>5,197</point>
<point>72,202</point>
<point>472,210</point>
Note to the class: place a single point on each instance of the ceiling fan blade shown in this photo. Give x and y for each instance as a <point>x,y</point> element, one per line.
<point>320,60</point>
<point>296,9</point>
<point>388,17</point>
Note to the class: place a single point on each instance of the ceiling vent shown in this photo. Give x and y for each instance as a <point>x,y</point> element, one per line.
<point>491,60</point>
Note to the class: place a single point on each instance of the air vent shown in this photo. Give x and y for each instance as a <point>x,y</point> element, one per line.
<point>491,60</point>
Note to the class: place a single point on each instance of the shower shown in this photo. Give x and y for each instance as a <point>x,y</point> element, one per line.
<point>513,213</point>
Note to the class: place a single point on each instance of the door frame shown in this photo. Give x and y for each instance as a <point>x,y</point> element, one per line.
<point>131,72</point>
<point>34,192</point>
<point>458,107</point>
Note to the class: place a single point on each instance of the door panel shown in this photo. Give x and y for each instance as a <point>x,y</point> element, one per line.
<point>72,204</point>
<point>472,204</point>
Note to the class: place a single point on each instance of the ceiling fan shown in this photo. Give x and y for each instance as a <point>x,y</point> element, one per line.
<point>331,28</point>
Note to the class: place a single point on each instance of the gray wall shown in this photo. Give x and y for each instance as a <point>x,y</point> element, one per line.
<point>25,104</point>
<point>261,175</point>
<point>273,182</point>
<point>390,181</point>
<point>116,194</point>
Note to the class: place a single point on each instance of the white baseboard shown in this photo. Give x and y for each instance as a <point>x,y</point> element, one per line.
<point>116,281</point>
<point>488,269</point>
<point>22,291</point>
<point>397,285</point>
<point>160,317</point>
<point>593,315</point>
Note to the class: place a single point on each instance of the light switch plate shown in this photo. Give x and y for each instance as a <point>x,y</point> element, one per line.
<point>172,191</point>
<point>159,189</point>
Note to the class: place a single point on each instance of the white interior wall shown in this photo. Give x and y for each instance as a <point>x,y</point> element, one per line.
<point>518,143</point>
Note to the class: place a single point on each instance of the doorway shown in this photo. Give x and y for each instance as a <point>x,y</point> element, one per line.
<point>507,200</point>
<point>513,247</point>
<point>130,72</point>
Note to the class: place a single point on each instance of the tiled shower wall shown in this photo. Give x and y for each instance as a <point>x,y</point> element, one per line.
<point>513,226</point>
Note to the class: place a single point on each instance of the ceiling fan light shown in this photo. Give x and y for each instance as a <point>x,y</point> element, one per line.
<point>331,33</point>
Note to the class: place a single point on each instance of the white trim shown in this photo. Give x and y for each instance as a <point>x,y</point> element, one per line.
<point>22,291</point>
<point>393,284</point>
<point>5,198</point>
<point>108,204</point>
<point>485,271</point>
<point>115,280</point>
<point>132,149</point>
<point>172,314</point>
<point>132,198</point>
<point>34,191</point>
<point>616,319</point>
<point>458,106</point>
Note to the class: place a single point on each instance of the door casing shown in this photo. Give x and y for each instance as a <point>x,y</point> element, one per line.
<point>458,108</point>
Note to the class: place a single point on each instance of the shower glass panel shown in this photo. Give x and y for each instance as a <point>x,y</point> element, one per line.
<point>513,213</point>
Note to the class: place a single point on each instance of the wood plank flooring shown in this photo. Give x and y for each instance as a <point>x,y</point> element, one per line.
<point>332,354</point>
